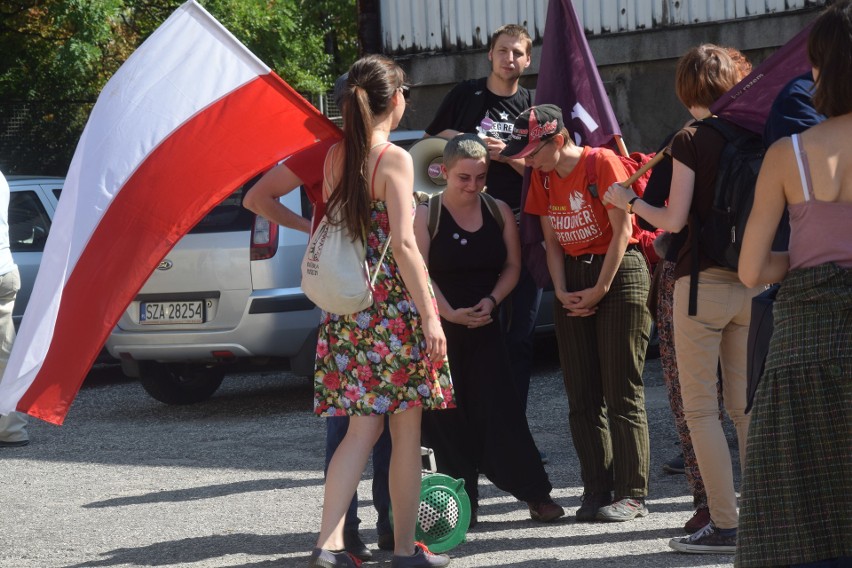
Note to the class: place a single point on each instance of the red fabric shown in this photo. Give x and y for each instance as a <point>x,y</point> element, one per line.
<point>188,174</point>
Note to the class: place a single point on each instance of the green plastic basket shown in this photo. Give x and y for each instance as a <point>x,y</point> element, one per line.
<point>444,514</point>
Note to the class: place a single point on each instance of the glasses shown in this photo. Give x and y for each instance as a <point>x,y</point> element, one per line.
<point>405,91</point>
<point>539,149</point>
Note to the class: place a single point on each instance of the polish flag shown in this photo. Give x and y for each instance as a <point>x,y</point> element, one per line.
<point>189,117</point>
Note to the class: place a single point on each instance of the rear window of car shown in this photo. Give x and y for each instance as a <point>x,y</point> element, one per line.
<point>228,216</point>
<point>231,216</point>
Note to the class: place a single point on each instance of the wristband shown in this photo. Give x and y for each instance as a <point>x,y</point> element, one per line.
<point>490,297</point>
<point>630,203</point>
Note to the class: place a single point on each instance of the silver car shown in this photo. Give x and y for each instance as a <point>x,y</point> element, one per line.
<point>225,298</point>
<point>32,204</point>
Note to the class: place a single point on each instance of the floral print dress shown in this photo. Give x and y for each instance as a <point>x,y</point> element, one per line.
<point>373,362</point>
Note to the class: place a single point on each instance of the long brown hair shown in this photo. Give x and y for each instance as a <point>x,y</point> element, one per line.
<point>371,85</point>
<point>830,51</point>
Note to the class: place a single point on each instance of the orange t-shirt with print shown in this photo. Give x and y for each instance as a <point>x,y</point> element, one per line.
<point>578,218</point>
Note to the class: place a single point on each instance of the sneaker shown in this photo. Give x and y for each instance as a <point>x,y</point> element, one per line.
<point>675,466</point>
<point>15,444</point>
<point>708,540</point>
<point>421,558</point>
<point>592,503</point>
<point>353,544</point>
<point>322,558</point>
<point>386,541</point>
<point>624,509</point>
<point>699,520</point>
<point>545,511</point>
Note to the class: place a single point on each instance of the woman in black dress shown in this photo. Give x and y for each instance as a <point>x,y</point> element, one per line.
<point>474,260</point>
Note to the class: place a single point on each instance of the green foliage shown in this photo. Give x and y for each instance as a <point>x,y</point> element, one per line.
<point>58,55</point>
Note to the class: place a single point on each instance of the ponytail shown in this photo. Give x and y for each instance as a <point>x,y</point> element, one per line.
<point>371,84</point>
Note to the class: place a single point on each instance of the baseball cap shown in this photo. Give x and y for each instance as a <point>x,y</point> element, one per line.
<point>534,125</point>
<point>340,88</point>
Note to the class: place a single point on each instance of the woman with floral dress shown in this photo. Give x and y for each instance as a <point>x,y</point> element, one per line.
<point>389,359</point>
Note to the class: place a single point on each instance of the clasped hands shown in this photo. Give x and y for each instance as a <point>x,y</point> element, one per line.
<point>582,303</point>
<point>475,316</point>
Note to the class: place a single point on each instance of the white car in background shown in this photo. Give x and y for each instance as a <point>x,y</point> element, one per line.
<point>32,204</point>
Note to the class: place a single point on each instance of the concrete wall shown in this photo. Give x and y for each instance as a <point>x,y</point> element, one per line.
<point>637,69</point>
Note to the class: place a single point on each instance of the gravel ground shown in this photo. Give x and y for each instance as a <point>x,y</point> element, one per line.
<point>237,482</point>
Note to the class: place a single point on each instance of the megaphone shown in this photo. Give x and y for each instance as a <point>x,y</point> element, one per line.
<point>428,155</point>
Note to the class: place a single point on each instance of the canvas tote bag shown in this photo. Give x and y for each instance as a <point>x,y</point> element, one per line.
<point>335,274</point>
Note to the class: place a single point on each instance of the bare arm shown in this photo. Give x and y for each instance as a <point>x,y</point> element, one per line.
<point>555,262</point>
<point>398,179</point>
<point>672,217</point>
<point>262,198</point>
<point>758,264</point>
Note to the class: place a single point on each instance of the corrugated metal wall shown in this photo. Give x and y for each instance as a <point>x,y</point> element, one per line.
<point>414,26</point>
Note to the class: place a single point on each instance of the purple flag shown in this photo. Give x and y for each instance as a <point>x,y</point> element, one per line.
<point>568,78</point>
<point>748,102</point>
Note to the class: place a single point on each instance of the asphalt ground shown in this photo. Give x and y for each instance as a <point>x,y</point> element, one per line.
<point>237,482</point>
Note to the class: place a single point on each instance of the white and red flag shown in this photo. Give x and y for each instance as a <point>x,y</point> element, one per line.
<point>190,116</point>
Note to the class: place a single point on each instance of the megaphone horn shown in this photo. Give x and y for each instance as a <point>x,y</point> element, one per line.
<point>428,155</point>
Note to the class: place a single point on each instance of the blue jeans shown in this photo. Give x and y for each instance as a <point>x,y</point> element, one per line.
<point>518,315</point>
<point>336,428</point>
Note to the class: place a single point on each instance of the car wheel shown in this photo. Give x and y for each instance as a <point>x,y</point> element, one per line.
<point>179,383</point>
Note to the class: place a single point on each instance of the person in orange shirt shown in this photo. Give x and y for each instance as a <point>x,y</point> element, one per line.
<point>601,284</point>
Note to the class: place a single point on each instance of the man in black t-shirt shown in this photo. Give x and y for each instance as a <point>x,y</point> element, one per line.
<point>489,107</point>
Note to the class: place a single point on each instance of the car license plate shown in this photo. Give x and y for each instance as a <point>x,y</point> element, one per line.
<point>158,313</point>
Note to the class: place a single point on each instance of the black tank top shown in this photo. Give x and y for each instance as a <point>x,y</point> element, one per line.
<point>464,264</point>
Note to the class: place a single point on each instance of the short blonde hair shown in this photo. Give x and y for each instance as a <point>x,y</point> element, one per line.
<point>465,147</point>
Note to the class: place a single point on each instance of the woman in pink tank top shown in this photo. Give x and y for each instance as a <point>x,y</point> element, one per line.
<point>797,491</point>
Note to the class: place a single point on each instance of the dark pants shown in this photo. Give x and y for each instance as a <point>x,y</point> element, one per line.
<point>602,358</point>
<point>518,314</point>
<point>487,432</point>
<point>336,428</point>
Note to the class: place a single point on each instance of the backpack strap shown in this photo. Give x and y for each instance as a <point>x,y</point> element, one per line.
<point>591,171</point>
<point>434,214</point>
<point>494,209</point>
<point>435,203</point>
<point>693,269</point>
<point>804,167</point>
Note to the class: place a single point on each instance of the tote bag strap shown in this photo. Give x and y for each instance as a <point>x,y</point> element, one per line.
<point>328,174</point>
<point>373,196</point>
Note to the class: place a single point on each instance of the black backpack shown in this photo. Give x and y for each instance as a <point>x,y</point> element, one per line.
<point>719,236</point>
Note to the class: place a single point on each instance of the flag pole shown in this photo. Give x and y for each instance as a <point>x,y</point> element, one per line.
<point>641,171</point>
<point>621,146</point>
